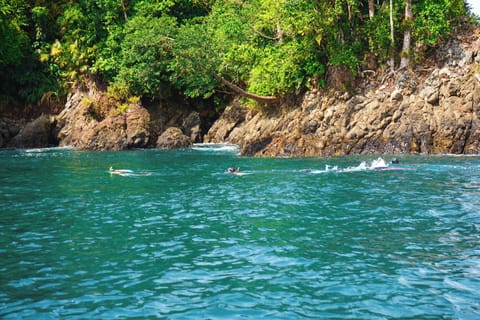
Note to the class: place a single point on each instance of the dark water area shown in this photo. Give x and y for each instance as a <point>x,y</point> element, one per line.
<point>175,237</point>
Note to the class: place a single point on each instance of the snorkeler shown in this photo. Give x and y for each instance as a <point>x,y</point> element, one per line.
<point>119,171</point>
<point>233,170</point>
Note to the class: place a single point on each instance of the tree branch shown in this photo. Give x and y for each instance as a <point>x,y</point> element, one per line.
<point>244,93</point>
<point>276,38</point>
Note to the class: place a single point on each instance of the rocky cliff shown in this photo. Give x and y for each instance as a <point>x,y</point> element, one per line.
<point>434,108</point>
<point>428,110</point>
<point>82,125</point>
<point>89,121</point>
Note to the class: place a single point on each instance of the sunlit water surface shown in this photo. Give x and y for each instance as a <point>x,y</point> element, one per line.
<point>177,238</point>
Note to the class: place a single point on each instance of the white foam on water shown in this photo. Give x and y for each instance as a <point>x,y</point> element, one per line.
<point>361,167</point>
<point>40,150</point>
<point>376,164</point>
<point>216,147</point>
<point>44,152</point>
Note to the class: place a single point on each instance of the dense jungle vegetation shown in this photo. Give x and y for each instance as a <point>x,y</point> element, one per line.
<point>209,49</point>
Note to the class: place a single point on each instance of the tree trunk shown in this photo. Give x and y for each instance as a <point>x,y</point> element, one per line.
<point>392,38</point>
<point>371,9</point>
<point>243,93</point>
<point>407,36</point>
<point>124,9</point>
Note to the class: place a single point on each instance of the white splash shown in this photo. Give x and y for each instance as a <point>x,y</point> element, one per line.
<point>377,164</point>
<point>216,147</point>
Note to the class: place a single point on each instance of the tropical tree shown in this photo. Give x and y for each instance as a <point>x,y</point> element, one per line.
<point>407,36</point>
<point>25,75</point>
<point>261,49</point>
<point>144,56</point>
<point>434,20</point>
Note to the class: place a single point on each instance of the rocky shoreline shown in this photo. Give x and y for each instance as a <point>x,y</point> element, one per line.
<point>444,117</point>
<point>433,110</point>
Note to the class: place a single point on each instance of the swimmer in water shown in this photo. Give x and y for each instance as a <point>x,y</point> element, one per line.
<point>233,170</point>
<point>119,171</point>
<point>395,161</point>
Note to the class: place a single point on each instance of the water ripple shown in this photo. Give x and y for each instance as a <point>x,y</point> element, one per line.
<point>190,242</point>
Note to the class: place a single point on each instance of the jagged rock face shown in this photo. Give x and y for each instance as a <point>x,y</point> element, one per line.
<point>173,138</point>
<point>137,127</point>
<point>327,126</point>
<point>192,126</point>
<point>84,125</point>
<point>35,134</point>
<point>78,128</point>
<point>434,110</point>
<point>440,115</point>
<point>8,130</point>
<point>164,115</point>
<point>232,116</point>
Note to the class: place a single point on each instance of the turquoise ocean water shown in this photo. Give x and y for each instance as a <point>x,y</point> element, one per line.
<point>177,238</point>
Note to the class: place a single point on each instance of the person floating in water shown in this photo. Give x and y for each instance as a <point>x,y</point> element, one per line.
<point>119,171</point>
<point>395,161</point>
<point>233,170</point>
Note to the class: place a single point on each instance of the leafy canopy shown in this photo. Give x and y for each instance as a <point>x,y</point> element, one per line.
<point>203,48</point>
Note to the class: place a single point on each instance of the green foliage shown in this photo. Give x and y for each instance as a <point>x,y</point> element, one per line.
<point>153,8</point>
<point>377,32</point>
<point>434,20</point>
<point>15,40</point>
<point>201,48</point>
<point>279,71</point>
<point>344,56</point>
<point>107,63</point>
<point>194,60</point>
<point>120,109</point>
<point>23,76</point>
<point>431,23</point>
<point>95,109</point>
<point>267,46</point>
<point>82,29</point>
<point>145,52</point>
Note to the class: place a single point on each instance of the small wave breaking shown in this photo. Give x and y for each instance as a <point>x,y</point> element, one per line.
<point>216,147</point>
<point>377,164</point>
